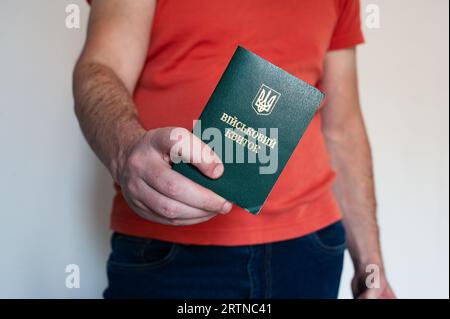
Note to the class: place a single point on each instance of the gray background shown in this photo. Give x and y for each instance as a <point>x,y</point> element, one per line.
<point>55,197</point>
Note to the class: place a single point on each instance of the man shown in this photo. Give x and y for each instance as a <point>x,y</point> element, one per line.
<point>149,66</point>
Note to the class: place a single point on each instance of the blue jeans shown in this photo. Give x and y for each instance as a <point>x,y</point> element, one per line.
<point>305,267</point>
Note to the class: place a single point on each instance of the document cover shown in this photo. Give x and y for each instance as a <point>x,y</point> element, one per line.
<point>254,119</point>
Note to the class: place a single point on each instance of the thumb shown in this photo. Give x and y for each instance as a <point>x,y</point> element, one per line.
<point>185,146</point>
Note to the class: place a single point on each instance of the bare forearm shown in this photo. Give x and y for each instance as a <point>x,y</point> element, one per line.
<point>106,113</point>
<point>346,137</point>
<point>354,188</point>
<point>104,80</point>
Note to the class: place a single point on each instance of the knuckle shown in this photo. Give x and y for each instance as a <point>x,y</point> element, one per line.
<point>134,161</point>
<point>178,133</point>
<point>131,185</point>
<point>184,130</point>
<point>169,212</point>
<point>172,188</point>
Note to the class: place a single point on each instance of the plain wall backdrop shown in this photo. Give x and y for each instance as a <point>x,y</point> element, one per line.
<point>55,196</point>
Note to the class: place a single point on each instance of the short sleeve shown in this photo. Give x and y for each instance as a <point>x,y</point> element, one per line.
<point>347,32</point>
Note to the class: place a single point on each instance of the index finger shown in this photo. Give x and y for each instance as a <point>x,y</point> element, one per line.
<point>180,188</point>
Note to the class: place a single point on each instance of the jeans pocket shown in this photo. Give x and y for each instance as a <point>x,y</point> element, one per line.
<point>134,253</point>
<point>330,240</point>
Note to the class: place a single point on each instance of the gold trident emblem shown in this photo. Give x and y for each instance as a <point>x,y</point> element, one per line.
<point>265,100</point>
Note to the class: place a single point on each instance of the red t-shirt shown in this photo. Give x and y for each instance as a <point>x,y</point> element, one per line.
<point>191,44</point>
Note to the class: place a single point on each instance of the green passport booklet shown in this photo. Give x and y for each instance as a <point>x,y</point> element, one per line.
<point>254,119</point>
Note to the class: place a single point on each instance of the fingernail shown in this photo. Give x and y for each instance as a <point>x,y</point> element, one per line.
<point>218,170</point>
<point>226,207</point>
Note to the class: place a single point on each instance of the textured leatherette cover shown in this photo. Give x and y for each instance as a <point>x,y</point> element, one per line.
<point>253,95</point>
